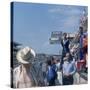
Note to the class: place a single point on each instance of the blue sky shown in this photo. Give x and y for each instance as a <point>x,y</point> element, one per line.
<point>33,24</point>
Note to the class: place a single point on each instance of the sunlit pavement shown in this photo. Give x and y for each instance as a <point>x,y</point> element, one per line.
<point>80,78</point>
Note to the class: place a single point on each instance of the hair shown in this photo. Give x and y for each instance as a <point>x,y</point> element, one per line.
<point>80,28</point>
<point>49,62</point>
<point>65,34</point>
<point>58,60</point>
<point>52,58</point>
<point>70,56</point>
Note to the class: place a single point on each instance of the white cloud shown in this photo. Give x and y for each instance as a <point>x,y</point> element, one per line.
<point>65,17</point>
<point>71,21</point>
<point>54,10</point>
<point>68,10</point>
<point>70,24</point>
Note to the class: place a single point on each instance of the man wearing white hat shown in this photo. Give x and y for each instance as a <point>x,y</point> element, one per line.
<point>24,75</point>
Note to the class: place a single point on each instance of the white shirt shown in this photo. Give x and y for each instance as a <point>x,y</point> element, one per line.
<point>44,67</point>
<point>23,80</point>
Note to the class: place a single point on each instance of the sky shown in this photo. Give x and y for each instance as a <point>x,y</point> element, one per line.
<point>34,22</point>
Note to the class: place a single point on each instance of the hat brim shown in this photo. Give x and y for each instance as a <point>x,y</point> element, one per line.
<point>21,60</point>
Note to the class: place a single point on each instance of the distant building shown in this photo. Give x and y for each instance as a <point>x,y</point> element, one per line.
<point>15,47</point>
<point>40,57</point>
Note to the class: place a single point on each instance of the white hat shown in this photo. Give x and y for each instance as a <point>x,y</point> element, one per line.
<point>25,55</point>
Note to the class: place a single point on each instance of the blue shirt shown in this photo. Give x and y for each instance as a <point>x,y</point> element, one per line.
<point>69,67</point>
<point>51,72</point>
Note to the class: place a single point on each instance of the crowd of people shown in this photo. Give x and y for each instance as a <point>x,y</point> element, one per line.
<point>54,71</point>
<point>57,76</point>
<point>73,59</point>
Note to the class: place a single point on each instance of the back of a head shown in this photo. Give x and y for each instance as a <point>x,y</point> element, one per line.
<point>81,30</point>
<point>48,62</point>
